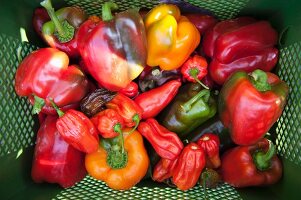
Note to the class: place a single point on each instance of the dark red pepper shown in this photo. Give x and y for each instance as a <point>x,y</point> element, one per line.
<point>202,22</point>
<point>131,90</point>
<point>163,169</point>
<point>56,161</point>
<point>166,143</point>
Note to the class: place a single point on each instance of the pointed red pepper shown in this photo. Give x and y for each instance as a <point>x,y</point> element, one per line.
<point>131,90</point>
<point>164,169</point>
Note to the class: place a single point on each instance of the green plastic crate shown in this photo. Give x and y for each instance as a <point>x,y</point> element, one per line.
<point>18,127</point>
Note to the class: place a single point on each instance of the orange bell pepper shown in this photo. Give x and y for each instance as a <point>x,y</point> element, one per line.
<point>124,173</point>
<point>171,37</point>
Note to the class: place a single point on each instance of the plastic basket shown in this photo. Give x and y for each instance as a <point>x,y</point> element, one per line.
<point>18,126</point>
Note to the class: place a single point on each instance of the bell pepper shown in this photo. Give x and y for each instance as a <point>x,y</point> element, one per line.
<point>163,169</point>
<point>171,37</point>
<point>264,60</point>
<point>191,107</point>
<point>40,16</point>
<point>131,90</point>
<point>210,143</point>
<point>190,165</point>
<point>45,74</point>
<point>154,101</point>
<point>122,42</point>
<point>202,22</point>
<point>77,129</point>
<point>56,161</point>
<point>61,31</point>
<point>120,171</point>
<point>108,122</point>
<point>253,165</point>
<point>250,104</point>
<point>166,143</point>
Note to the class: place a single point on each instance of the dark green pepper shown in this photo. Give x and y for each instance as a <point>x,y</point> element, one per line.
<point>191,107</point>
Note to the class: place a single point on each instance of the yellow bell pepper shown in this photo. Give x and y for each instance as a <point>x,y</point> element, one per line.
<point>171,38</point>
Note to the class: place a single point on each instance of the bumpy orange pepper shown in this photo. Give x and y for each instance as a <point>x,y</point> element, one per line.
<point>171,38</point>
<point>124,173</point>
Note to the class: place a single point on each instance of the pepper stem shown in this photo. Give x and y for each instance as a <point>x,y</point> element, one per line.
<point>65,32</point>
<point>263,160</point>
<point>194,73</point>
<point>205,94</point>
<point>117,129</point>
<point>136,119</point>
<point>59,112</point>
<point>38,104</point>
<point>107,8</point>
<point>205,176</point>
<point>260,80</point>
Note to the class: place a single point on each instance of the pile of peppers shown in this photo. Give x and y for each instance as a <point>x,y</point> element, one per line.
<point>125,93</point>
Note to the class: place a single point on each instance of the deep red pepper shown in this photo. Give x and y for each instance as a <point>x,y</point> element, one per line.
<point>155,100</point>
<point>40,16</point>
<point>210,143</point>
<point>108,122</point>
<point>45,74</point>
<point>202,22</point>
<point>264,60</point>
<point>131,90</point>
<point>167,144</point>
<point>189,167</point>
<point>255,165</point>
<point>164,169</point>
<point>56,161</point>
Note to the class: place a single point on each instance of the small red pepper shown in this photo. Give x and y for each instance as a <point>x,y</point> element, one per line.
<point>131,90</point>
<point>167,144</point>
<point>210,143</point>
<point>155,100</point>
<point>163,169</point>
<point>189,167</point>
<point>108,122</point>
<point>195,69</point>
<point>255,165</point>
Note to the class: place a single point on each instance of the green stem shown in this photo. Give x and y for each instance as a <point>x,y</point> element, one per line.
<point>107,8</point>
<point>259,80</point>
<point>117,129</point>
<point>263,160</point>
<point>204,178</point>
<point>194,73</point>
<point>136,119</point>
<point>38,104</point>
<point>59,112</point>
<point>203,93</point>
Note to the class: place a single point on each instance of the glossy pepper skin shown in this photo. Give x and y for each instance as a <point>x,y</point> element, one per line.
<point>250,104</point>
<point>202,22</point>
<point>166,143</point>
<point>122,41</point>
<point>131,90</point>
<point>171,37</point>
<point>163,169</point>
<point>155,100</point>
<point>189,167</point>
<point>56,161</point>
<point>210,144</point>
<point>126,177</point>
<point>191,107</point>
<point>264,60</point>
<point>45,73</point>
<point>254,165</point>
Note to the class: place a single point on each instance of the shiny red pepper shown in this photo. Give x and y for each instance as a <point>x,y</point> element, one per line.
<point>131,90</point>
<point>56,161</point>
<point>210,143</point>
<point>189,167</point>
<point>155,100</point>
<point>167,144</point>
<point>163,169</point>
<point>201,22</point>
<point>255,165</point>
<point>45,74</point>
<point>108,122</point>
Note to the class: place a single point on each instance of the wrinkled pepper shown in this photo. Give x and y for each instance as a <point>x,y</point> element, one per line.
<point>44,74</point>
<point>166,143</point>
<point>121,40</point>
<point>120,171</point>
<point>254,165</point>
<point>189,167</point>
<point>171,37</point>
<point>61,31</point>
<point>56,161</point>
<point>191,107</point>
<point>210,143</point>
<point>163,169</point>
<point>249,104</point>
<point>155,100</point>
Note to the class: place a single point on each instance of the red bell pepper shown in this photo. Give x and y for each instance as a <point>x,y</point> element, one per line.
<point>264,60</point>
<point>167,144</point>
<point>108,122</point>
<point>131,90</point>
<point>121,41</point>
<point>190,165</point>
<point>164,169</point>
<point>155,100</point>
<point>255,165</point>
<point>250,104</point>
<point>56,161</point>
<point>46,75</point>
<point>210,143</point>
<point>202,22</point>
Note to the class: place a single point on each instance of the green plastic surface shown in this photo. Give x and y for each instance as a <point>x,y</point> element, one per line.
<point>18,126</point>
